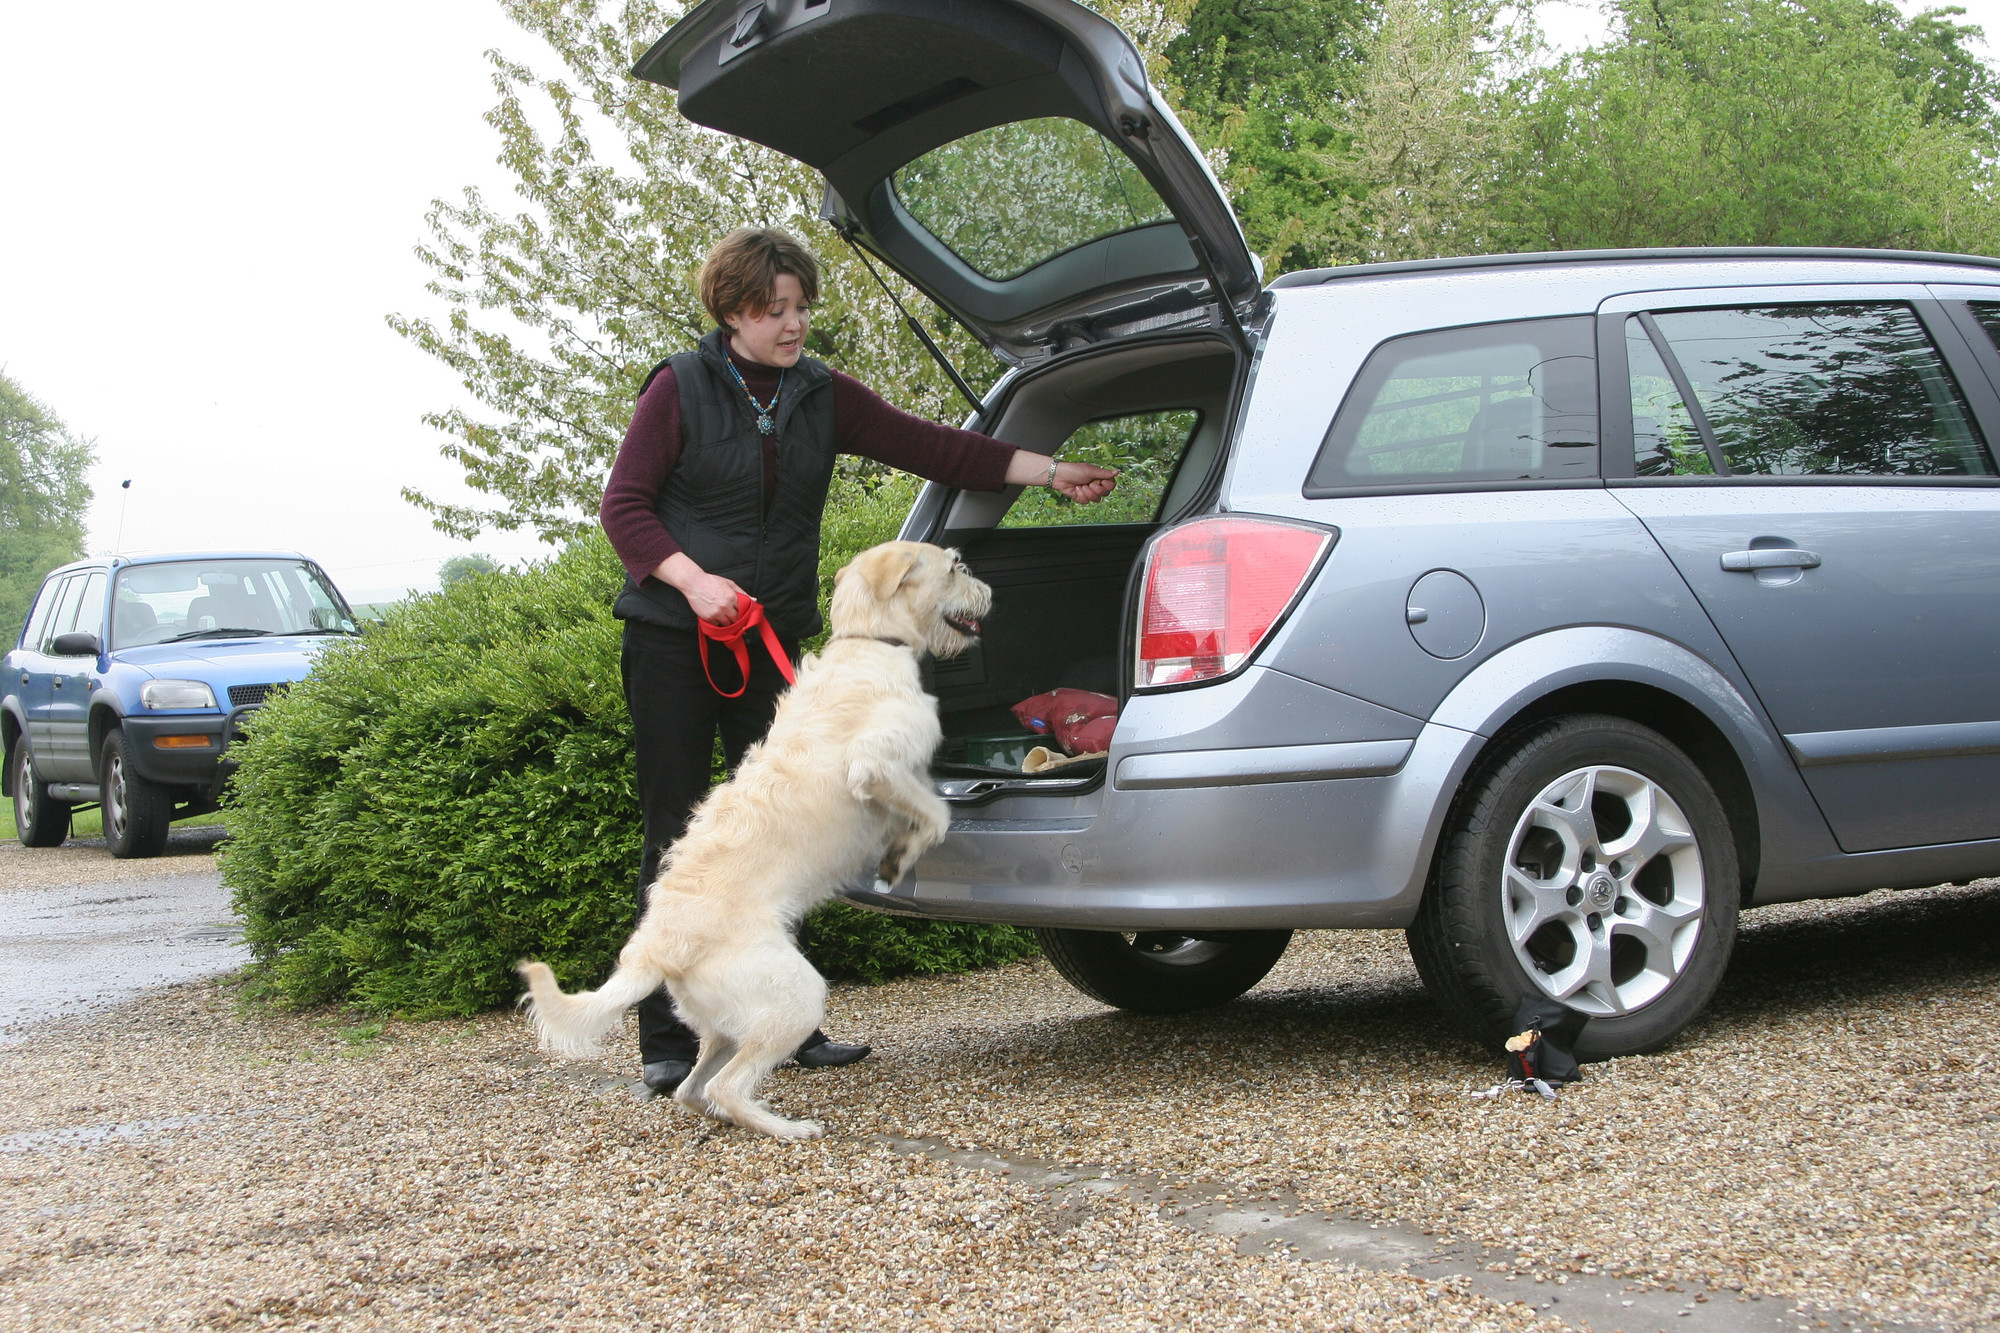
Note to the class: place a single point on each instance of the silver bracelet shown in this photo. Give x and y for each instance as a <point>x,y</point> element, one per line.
<point>1051,482</point>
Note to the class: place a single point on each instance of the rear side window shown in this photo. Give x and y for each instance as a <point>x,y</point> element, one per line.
<point>1145,448</point>
<point>38,618</point>
<point>1824,390</point>
<point>90,610</point>
<point>1988,315</point>
<point>1489,403</point>
<point>1014,196</point>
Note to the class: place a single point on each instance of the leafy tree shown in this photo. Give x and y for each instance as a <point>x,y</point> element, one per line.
<point>44,495</point>
<point>1427,120</point>
<point>558,311</point>
<point>1261,82</point>
<point>465,566</point>
<point>1767,122</point>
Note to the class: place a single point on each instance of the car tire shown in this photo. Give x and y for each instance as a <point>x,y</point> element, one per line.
<point>38,820</point>
<point>1588,861</point>
<point>1163,972</point>
<point>138,812</point>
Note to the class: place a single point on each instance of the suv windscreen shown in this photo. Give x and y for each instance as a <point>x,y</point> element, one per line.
<point>1144,447</point>
<point>1014,196</point>
<point>191,599</point>
<point>1493,402</point>
<point>1821,390</point>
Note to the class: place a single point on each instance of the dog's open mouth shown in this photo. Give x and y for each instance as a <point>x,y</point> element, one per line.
<point>966,625</point>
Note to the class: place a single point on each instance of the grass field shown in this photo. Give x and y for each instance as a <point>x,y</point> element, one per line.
<point>89,823</point>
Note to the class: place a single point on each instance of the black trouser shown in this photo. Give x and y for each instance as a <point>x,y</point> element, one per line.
<point>675,715</point>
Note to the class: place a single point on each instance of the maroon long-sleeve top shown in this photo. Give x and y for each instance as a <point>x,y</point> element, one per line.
<point>864,423</point>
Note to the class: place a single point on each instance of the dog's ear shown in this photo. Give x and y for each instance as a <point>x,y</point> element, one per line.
<point>886,569</point>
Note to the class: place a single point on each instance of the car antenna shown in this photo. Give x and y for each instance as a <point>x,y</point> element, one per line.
<point>923,334</point>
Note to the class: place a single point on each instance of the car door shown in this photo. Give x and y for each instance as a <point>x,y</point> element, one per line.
<point>1813,461</point>
<point>65,756</point>
<point>33,669</point>
<point>1006,156</point>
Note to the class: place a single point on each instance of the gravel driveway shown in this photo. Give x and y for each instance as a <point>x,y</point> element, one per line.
<point>1017,1157</point>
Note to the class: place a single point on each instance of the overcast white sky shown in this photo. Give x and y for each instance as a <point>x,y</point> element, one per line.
<point>206,210</point>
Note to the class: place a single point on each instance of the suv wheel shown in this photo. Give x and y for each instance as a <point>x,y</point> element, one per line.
<point>137,811</point>
<point>38,821</point>
<point>1162,972</point>
<point>1589,862</point>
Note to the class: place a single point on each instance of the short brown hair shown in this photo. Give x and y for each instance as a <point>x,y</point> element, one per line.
<point>742,270</point>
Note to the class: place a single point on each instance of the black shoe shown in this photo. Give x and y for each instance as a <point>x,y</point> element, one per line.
<point>663,1076</point>
<point>824,1054</point>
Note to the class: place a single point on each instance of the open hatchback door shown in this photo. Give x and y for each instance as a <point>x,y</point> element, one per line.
<point>1007,157</point>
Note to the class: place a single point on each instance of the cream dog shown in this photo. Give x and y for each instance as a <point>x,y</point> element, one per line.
<point>841,781</point>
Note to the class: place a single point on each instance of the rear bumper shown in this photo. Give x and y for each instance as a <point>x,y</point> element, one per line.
<point>1224,838</point>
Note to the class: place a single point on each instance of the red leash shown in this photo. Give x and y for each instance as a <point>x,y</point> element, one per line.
<point>749,615</point>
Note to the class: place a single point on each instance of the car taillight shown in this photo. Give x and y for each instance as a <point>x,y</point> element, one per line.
<point>1214,589</point>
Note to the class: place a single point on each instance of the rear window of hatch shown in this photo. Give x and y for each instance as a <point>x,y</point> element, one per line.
<point>1484,403</point>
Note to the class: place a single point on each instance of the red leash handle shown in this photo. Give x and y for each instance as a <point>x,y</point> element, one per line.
<point>749,615</point>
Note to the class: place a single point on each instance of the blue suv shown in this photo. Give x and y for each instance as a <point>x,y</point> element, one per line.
<point>134,674</point>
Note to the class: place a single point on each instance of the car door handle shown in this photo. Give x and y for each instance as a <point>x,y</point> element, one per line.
<point>1769,557</point>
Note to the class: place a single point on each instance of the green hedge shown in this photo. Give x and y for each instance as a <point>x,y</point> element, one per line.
<point>454,792</point>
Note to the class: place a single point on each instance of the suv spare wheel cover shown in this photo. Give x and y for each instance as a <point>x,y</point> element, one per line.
<point>1445,615</point>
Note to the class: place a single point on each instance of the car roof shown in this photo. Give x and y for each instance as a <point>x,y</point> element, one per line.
<point>165,557</point>
<point>1864,264</point>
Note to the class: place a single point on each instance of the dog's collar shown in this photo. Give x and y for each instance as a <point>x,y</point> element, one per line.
<point>880,638</point>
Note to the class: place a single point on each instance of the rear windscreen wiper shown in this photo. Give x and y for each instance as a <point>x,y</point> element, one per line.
<point>226,632</point>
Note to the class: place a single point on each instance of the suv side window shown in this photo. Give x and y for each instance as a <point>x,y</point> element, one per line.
<point>1821,390</point>
<point>64,616</point>
<point>38,618</point>
<point>1145,447</point>
<point>1493,402</point>
<point>90,611</point>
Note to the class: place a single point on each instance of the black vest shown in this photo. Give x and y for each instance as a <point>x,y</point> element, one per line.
<point>713,502</point>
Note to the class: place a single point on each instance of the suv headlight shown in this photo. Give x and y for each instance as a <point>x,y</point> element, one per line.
<point>176,694</point>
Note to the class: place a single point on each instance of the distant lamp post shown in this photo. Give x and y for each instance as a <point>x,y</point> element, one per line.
<point>125,486</point>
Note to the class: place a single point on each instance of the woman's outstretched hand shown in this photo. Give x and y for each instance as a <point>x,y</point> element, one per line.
<point>712,596</point>
<point>1085,483</point>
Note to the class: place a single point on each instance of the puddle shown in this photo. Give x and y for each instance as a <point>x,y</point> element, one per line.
<point>95,1136</point>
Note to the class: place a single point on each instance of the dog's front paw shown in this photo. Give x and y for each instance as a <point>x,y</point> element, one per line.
<point>801,1130</point>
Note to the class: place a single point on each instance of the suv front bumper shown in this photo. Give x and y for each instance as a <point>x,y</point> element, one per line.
<point>206,767</point>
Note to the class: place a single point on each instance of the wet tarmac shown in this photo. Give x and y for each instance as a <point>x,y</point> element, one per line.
<point>66,949</point>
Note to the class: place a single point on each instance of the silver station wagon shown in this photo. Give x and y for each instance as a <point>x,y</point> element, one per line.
<point>1551,608</point>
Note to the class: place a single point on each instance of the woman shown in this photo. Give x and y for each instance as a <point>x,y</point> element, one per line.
<point>718,489</point>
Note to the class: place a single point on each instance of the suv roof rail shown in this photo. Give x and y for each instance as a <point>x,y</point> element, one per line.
<point>1313,277</point>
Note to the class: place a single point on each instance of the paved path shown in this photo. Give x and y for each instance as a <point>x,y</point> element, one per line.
<point>66,949</point>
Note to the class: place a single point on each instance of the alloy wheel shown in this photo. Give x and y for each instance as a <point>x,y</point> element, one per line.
<point>112,798</point>
<point>1164,946</point>
<point>1603,890</point>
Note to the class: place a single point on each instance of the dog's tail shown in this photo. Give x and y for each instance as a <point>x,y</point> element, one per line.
<point>573,1026</point>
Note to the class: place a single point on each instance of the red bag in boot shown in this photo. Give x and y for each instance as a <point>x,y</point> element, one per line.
<point>1080,721</point>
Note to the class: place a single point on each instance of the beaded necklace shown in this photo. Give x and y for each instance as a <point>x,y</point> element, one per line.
<point>765,425</point>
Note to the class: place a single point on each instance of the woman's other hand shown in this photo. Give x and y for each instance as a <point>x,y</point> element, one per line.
<point>713,597</point>
<point>1085,483</point>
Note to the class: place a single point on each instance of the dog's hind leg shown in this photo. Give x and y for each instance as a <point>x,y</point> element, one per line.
<point>733,1091</point>
<point>716,1051</point>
